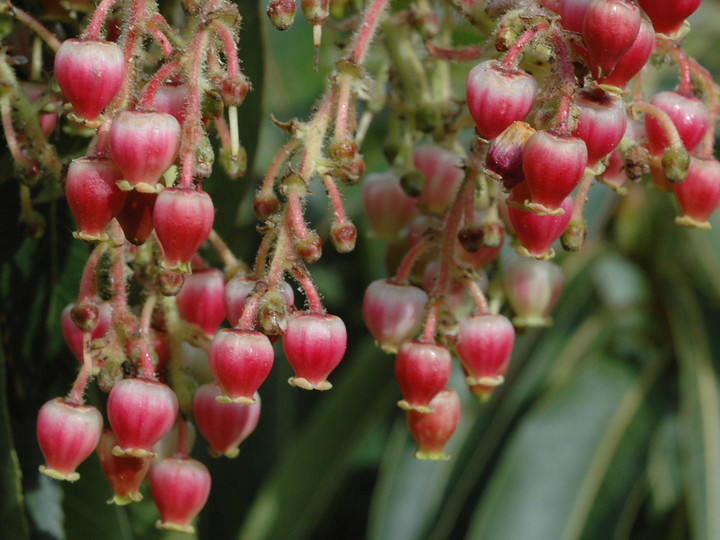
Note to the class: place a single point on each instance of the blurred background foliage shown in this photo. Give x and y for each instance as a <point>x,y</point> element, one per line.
<point>608,426</point>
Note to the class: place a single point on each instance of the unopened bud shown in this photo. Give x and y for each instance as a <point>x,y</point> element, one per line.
<point>574,236</point>
<point>235,166</point>
<point>342,236</point>
<point>282,13</point>
<point>315,11</point>
<point>309,249</point>
<point>675,164</point>
<point>233,90</point>
<point>85,316</point>
<point>265,205</point>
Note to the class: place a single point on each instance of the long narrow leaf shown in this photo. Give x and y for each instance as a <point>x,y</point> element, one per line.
<point>409,491</point>
<point>306,478</point>
<point>12,511</point>
<point>699,409</point>
<point>540,356</point>
<point>546,483</point>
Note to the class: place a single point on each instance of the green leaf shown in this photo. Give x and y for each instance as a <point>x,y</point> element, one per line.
<point>12,512</point>
<point>703,260</point>
<point>699,408</point>
<point>44,505</point>
<point>539,359</point>
<point>552,471</point>
<point>307,476</point>
<point>664,466</point>
<point>409,491</point>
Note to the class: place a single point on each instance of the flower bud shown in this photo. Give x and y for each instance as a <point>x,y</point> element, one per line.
<point>67,434</point>
<point>314,344</point>
<point>675,164</point>
<point>315,11</point>
<point>180,487</point>
<point>432,430</point>
<point>342,236</point>
<point>282,13</point>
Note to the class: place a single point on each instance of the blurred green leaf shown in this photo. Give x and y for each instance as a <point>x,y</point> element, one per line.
<point>86,510</point>
<point>664,466</point>
<point>44,505</point>
<point>549,476</point>
<point>12,510</point>
<point>307,476</point>
<point>704,260</point>
<point>409,491</point>
<point>537,355</point>
<point>699,407</point>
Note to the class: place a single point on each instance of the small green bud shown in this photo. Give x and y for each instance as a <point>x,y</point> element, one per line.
<point>675,164</point>
<point>574,236</point>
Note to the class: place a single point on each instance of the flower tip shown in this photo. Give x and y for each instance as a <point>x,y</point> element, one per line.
<point>175,527</point>
<point>302,382</point>
<point>132,452</point>
<point>240,400</point>
<point>124,500</point>
<point>406,406</point>
<point>423,455</point>
<point>57,475</point>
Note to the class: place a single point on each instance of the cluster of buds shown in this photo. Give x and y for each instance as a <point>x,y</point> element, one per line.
<point>541,140</point>
<point>165,355</point>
